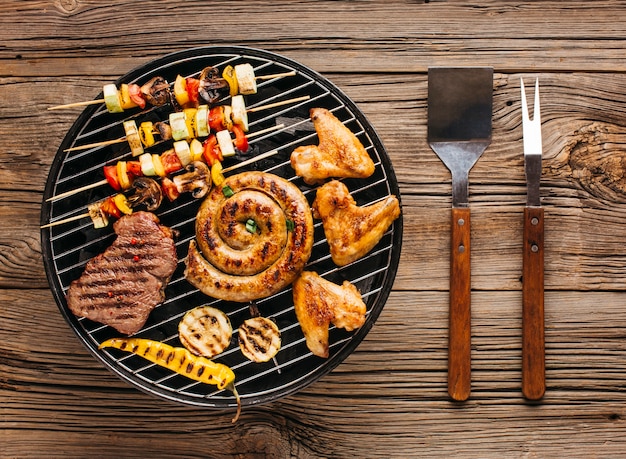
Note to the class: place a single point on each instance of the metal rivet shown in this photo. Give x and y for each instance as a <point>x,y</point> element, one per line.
<point>534,221</point>
<point>534,248</point>
<point>461,222</point>
<point>461,248</point>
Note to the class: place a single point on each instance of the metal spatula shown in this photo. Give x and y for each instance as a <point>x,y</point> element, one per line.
<point>459,130</point>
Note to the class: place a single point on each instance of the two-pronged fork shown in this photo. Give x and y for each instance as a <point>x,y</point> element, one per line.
<point>533,344</point>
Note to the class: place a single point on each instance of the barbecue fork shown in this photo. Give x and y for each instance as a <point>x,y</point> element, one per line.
<point>533,345</point>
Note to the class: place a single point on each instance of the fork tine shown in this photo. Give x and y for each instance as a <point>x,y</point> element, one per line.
<point>537,110</point>
<point>524,106</point>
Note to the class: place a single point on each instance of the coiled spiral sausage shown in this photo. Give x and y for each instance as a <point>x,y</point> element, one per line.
<point>232,261</point>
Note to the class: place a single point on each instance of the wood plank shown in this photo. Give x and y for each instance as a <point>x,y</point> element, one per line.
<point>584,403</point>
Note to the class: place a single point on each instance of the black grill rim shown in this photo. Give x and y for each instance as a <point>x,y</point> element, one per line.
<point>216,399</point>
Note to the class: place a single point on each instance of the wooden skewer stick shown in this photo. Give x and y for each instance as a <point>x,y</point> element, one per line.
<point>97,144</point>
<point>228,169</point>
<point>77,190</point>
<point>65,220</point>
<point>265,131</point>
<point>278,104</point>
<point>77,104</point>
<point>275,75</point>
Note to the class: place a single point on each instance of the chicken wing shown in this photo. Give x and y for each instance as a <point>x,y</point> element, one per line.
<point>352,231</point>
<point>339,153</point>
<point>319,302</point>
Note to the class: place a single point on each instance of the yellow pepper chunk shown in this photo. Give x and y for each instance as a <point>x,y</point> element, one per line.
<point>122,204</point>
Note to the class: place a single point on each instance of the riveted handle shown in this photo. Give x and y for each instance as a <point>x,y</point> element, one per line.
<point>533,344</point>
<point>459,338</point>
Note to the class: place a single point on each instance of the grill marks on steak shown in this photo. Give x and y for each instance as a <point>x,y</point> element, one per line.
<point>122,285</point>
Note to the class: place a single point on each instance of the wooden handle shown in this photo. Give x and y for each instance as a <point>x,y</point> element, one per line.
<point>459,339</point>
<point>533,345</point>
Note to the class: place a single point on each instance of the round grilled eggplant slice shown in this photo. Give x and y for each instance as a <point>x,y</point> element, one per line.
<point>259,339</point>
<point>205,331</point>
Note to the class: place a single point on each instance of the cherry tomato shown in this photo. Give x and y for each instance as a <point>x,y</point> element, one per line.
<point>134,91</point>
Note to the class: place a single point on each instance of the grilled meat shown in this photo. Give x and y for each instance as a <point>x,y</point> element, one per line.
<point>339,153</point>
<point>234,262</point>
<point>352,231</point>
<point>122,285</point>
<point>319,302</point>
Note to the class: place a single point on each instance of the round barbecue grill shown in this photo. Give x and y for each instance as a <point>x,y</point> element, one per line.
<point>67,247</point>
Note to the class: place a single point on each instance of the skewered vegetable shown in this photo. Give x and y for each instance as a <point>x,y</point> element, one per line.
<point>210,86</point>
<point>181,361</point>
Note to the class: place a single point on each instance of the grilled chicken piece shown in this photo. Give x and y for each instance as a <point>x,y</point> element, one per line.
<point>339,153</point>
<point>352,231</point>
<point>319,302</point>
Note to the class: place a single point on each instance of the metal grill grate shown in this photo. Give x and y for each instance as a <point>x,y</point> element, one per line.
<point>69,246</point>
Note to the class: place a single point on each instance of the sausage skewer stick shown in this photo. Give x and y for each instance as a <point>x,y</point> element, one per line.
<point>134,140</point>
<point>102,182</point>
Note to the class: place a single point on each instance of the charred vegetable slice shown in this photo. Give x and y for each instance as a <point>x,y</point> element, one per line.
<point>259,339</point>
<point>181,361</point>
<point>205,331</point>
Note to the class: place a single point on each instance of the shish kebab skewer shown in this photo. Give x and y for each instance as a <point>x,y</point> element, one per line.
<point>97,210</point>
<point>193,150</point>
<point>200,120</point>
<point>239,79</point>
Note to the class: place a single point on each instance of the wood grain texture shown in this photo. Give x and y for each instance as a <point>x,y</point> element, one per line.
<point>389,398</point>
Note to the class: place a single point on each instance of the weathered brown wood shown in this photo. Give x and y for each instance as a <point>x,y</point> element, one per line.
<point>389,398</point>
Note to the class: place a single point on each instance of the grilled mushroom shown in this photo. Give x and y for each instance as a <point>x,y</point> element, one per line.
<point>212,87</point>
<point>197,180</point>
<point>156,91</point>
<point>147,192</point>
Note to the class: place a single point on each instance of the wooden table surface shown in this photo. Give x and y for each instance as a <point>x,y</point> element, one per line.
<point>389,398</point>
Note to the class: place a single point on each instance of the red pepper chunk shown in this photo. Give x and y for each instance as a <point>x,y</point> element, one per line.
<point>110,173</point>
<point>193,85</point>
<point>169,189</point>
<point>241,141</point>
<point>212,152</point>
<point>134,169</point>
<point>216,118</point>
<point>170,161</point>
<point>109,208</point>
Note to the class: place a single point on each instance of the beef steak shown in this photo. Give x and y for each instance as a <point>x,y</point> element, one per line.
<point>122,285</point>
